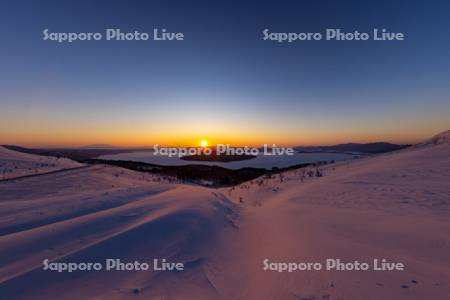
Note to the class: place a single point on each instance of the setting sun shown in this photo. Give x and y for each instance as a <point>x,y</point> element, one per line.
<point>203,143</point>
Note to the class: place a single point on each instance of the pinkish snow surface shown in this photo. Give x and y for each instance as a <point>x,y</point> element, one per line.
<point>394,206</point>
<point>15,164</point>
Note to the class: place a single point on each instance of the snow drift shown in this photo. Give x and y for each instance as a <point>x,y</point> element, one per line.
<point>394,206</point>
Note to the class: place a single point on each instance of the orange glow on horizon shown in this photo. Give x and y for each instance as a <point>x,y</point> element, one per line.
<point>122,136</point>
<point>149,141</point>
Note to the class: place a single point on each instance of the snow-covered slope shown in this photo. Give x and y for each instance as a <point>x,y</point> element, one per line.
<point>102,212</point>
<point>441,138</point>
<point>15,164</point>
<point>393,206</point>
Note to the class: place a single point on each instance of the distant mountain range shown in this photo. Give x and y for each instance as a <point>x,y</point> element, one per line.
<point>99,146</point>
<point>369,148</point>
<point>91,151</point>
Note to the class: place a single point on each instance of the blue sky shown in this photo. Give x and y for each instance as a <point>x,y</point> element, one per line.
<point>223,82</point>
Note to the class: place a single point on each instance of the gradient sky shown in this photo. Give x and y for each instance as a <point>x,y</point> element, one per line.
<point>223,83</point>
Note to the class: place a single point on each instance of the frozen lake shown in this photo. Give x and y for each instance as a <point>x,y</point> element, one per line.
<point>261,161</point>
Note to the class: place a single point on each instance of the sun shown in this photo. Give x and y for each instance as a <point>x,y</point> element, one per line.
<point>203,143</point>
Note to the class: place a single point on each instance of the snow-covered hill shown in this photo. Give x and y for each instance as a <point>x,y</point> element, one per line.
<point>394,206</point>
<point>15,164</point>
<point>441,138</point>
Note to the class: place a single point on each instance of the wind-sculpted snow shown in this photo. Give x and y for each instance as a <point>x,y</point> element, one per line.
<point>126,217</point>
<point>392,208</point>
